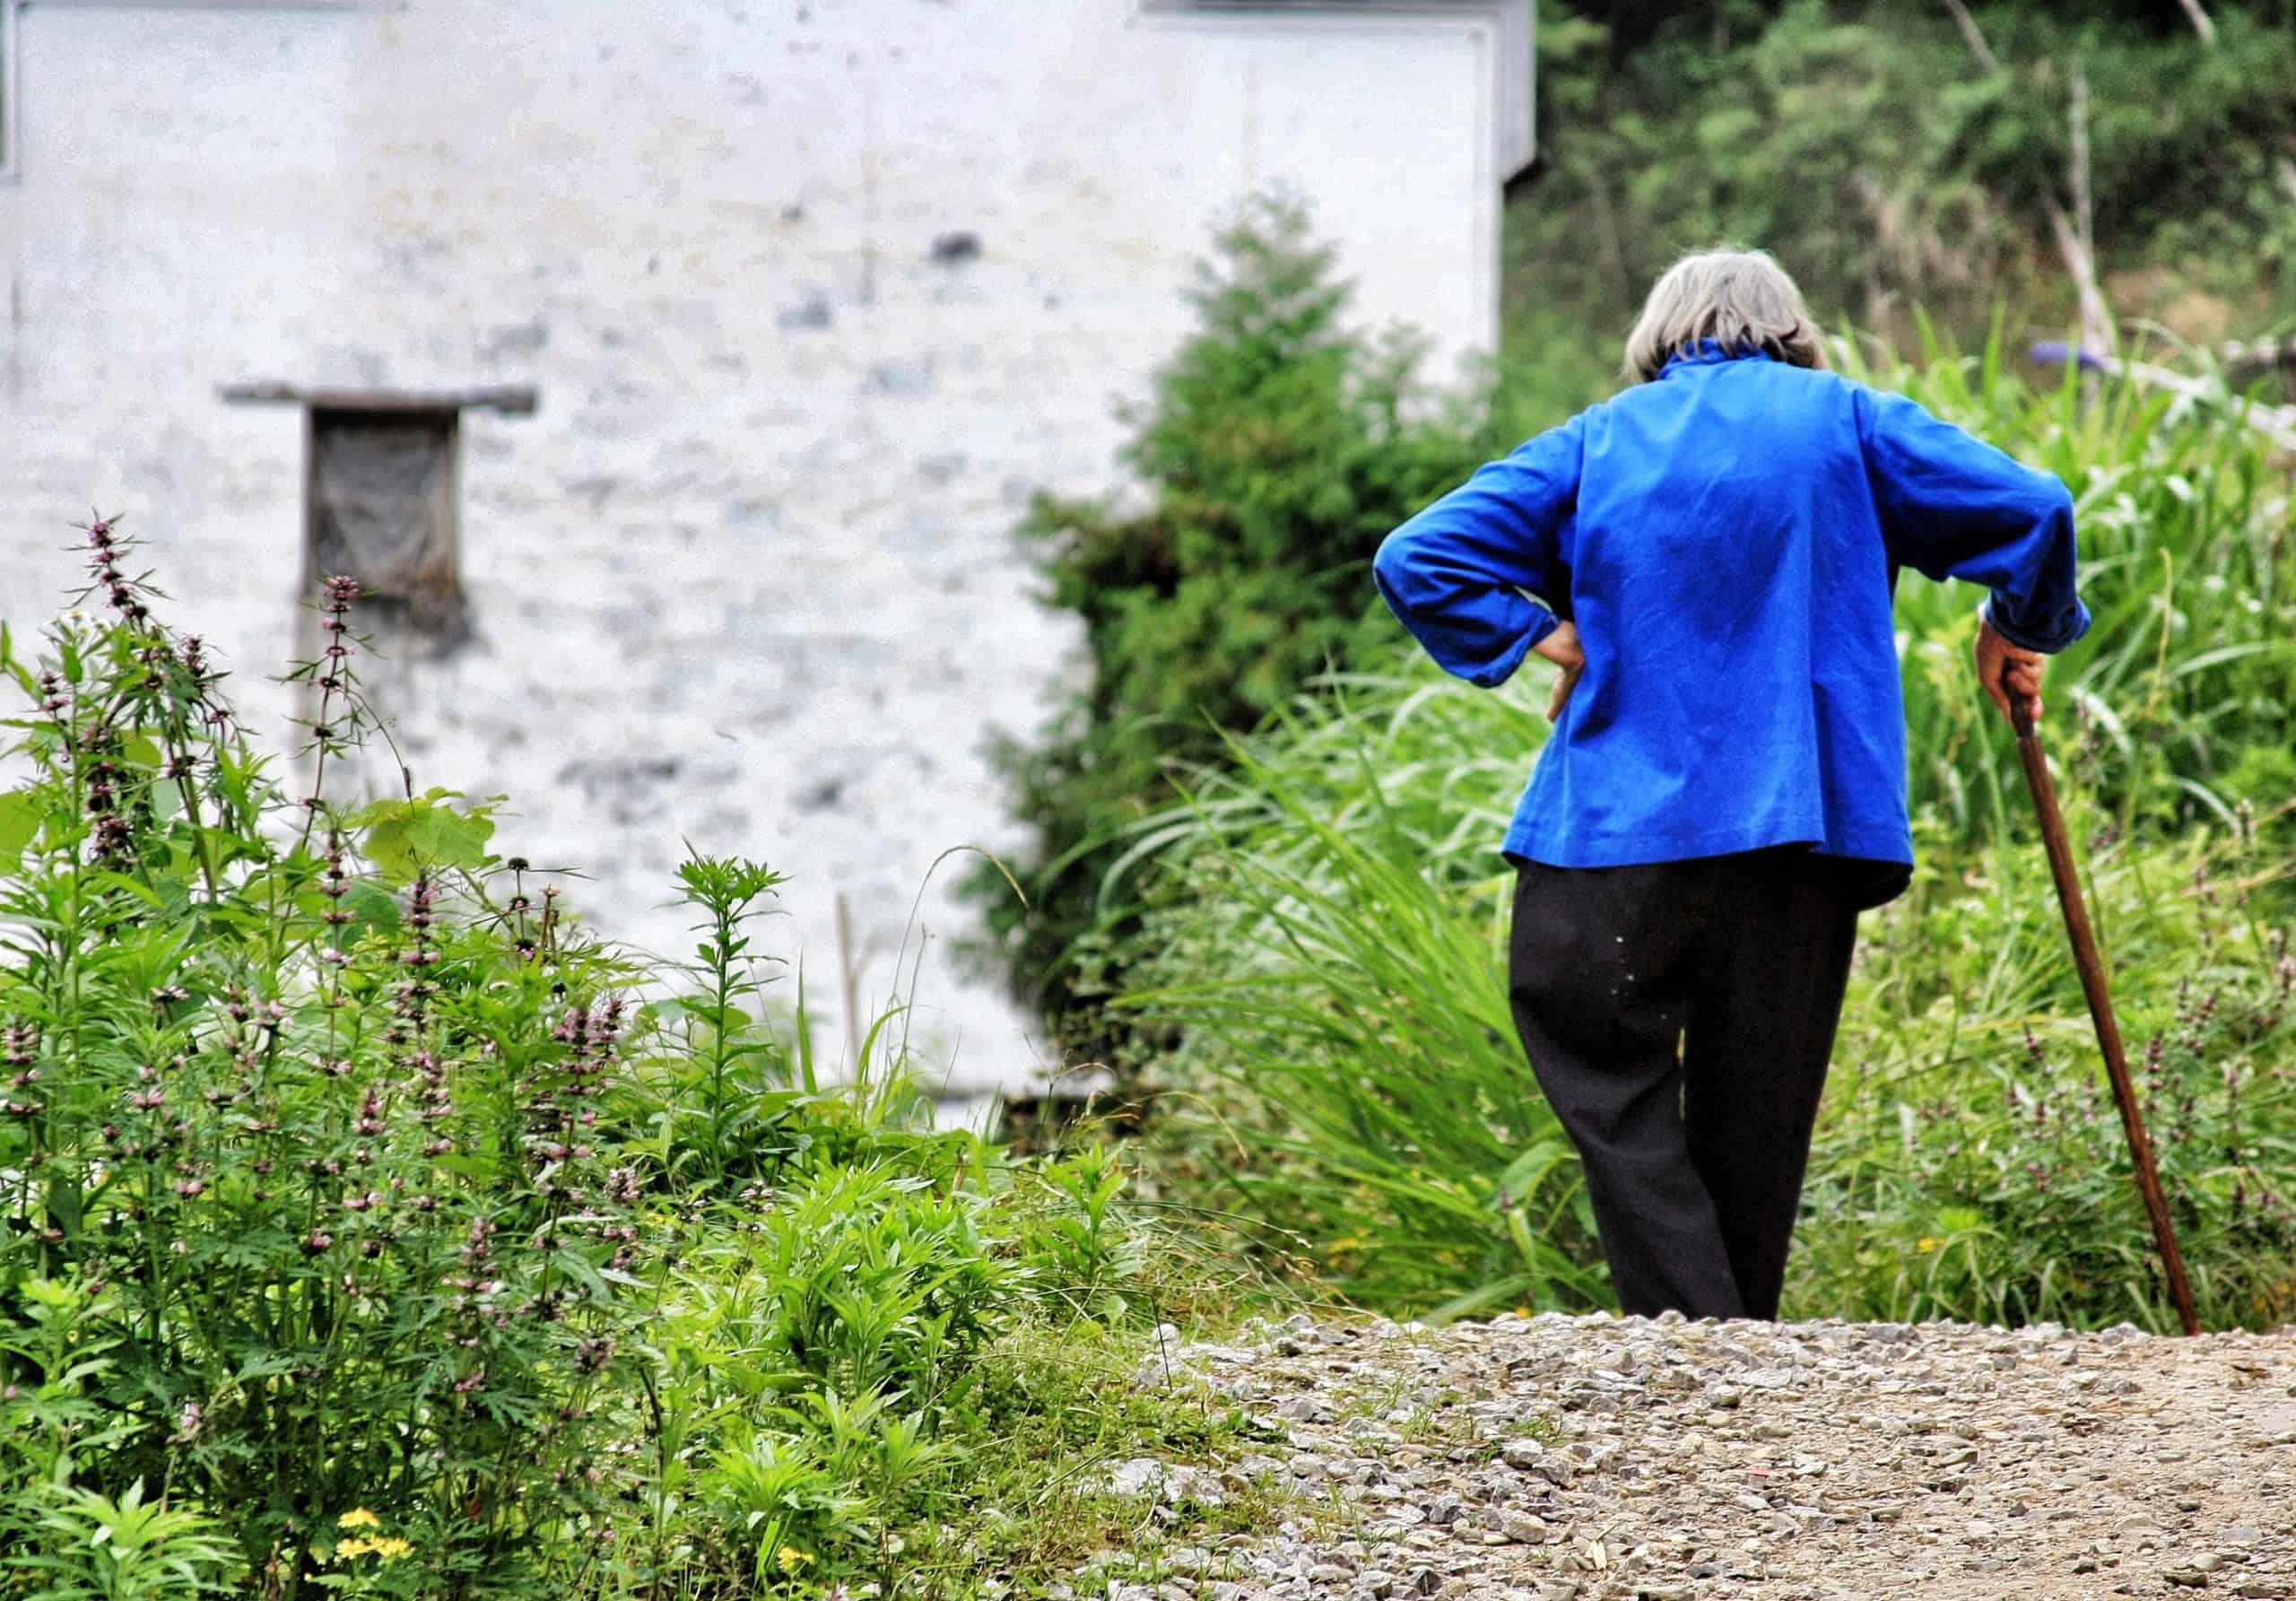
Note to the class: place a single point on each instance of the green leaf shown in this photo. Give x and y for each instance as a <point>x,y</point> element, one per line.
<point>404,837</point>
<point>372,911</point>
<point>142,749</point>
<point>21,816</point>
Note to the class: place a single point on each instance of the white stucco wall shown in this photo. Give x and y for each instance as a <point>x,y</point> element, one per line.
<point>747,576</point>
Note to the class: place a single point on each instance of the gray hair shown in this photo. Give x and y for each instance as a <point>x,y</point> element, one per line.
<point>1741,300</point>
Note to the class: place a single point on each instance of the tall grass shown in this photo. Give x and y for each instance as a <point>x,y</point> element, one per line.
<point>1970,1161</point>
<point>2190,668</point>
<point>1332,953</point>
<point>1335,970</point>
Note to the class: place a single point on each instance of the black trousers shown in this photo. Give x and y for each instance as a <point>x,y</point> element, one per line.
<point>1679,1017</point>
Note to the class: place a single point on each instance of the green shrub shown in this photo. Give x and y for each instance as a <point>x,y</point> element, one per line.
<point>1279,445</point>
<point>844,1335</point>
<point>309,1138</point>
<point>366,1225</point>
<point>74,1542</point>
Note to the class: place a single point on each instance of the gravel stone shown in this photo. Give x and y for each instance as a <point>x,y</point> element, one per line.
<point>1523,1528</point>
<point>1700,1461</point>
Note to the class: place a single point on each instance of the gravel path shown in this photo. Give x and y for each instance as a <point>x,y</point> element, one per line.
<point>1598,1458</point>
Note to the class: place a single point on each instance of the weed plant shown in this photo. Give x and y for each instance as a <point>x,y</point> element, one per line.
<point>303,1148</point>
<point>370,1225</point>
<point>1970,1163</point>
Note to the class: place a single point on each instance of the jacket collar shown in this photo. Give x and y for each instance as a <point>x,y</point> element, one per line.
<point>1707,352</point>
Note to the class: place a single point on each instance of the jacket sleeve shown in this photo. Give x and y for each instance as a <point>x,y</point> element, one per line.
<point>1454,575</point>
<point>1951,506</point>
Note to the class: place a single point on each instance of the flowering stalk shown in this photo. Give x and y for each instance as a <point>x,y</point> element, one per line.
<point>336,681</point>
<point>191,666</point>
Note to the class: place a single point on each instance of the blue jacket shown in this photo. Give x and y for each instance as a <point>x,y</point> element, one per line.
<point>1728,538</point>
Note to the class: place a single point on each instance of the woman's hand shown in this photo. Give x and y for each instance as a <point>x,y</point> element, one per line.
<point>2004,670</point>
<point>1561,646</point>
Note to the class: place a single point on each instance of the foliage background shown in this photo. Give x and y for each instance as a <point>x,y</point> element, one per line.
<point>1868,149</point>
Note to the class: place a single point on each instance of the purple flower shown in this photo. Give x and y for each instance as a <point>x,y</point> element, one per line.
<point>188,1423</point>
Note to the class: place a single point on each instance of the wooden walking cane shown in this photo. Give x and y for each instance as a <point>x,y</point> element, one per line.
<point>2100,1005</point>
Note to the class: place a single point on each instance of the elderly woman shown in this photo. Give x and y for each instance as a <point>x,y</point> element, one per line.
<point>1710,557</point>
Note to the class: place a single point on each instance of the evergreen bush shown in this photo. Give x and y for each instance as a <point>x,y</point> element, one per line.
<point>1278,446</point>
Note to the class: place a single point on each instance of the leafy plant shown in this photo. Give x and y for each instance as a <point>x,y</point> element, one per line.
<point>93,1546</point>
<point>332,1152</point>
<point>720,1096</point>
<point>67,1541</point>
<point>1085,1247</point>
<point>1278,445</point>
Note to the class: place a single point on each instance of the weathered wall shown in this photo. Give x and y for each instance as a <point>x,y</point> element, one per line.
<point>746,578</point>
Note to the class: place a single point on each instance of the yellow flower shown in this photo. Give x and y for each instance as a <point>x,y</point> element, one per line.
<point>791,1558</point>
<point>352,1547</point>
<point>359,1518</point>
<point>390,1548</point>
<point>1929,1243</point>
